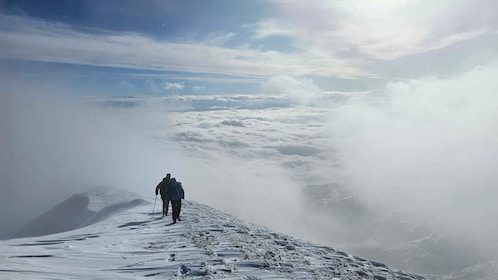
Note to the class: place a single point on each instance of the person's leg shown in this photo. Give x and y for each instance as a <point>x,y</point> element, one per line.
<point>174,206</point>
<point>165,206</point>
<point>179,209</point>
<point>166,199</point>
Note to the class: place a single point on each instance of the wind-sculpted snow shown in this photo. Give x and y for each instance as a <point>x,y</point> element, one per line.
<point>206,244</point>
<point>80,210</point>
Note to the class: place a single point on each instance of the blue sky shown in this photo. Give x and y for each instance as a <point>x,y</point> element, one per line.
<point>122,48</point>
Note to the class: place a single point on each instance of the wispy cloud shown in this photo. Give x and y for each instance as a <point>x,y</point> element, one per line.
<point>384,30</point>
<point>126,86</point>
<point>198,88</point>
<point>271,27</point>
<point>174,86</point>
<point>303,91</point>
<point>350,41</point>
<point>63,44</point>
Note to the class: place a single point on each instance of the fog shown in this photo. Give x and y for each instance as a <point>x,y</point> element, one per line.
<point>421,153</point>
<point>54,145</point>
<point>429,148</point>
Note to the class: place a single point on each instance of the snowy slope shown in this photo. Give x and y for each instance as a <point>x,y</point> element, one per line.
<point>79,210</point>
<point>206,244</point>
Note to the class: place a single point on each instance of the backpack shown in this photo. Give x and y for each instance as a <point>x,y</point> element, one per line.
<point>176,190</point>
<point>166,186</point>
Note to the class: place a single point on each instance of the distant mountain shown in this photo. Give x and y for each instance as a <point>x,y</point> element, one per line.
<point>80,210</point>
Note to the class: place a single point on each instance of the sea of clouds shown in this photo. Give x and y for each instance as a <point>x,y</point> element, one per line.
<point>424,149</point>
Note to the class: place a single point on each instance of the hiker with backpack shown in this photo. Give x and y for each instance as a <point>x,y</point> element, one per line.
<point>176,194</point>
<point>163,187</point>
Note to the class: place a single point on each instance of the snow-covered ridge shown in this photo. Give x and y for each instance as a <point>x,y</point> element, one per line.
<point>91,206</point>
<point>104,196</point>
<point>206,244</point>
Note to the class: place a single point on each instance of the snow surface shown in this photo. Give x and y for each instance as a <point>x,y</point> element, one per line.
<point>206,244</point>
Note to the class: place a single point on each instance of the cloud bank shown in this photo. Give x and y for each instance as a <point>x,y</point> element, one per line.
<point>428,148</point>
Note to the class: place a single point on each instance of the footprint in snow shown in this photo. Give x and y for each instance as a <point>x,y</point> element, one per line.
<point>171,257</point>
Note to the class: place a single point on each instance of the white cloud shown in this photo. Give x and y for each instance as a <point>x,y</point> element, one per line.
<point>383,30</point>
<point>198,88</point>
<point>302,91</point>
<point>218,38</point>
<point>424,150</point>
<point>399,41</point>
<point>270,27</point>
<point>417,148</point>
<point>126,86</point>
<point>427,148</point>
<point>174,86</point>
<point>61,43</point>
<point>243,155</point>
<point>340,39</point>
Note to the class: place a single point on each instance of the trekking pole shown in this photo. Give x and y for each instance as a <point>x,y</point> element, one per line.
<point>154,209</point>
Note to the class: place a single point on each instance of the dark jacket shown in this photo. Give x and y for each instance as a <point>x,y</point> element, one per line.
<point>176,190</point>
<point>163,187</point>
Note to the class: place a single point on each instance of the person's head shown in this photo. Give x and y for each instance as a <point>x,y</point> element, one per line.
<point>168,176</point>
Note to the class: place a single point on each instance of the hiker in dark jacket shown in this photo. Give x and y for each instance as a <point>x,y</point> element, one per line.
<point>176,194</point>
<point>163,187</point>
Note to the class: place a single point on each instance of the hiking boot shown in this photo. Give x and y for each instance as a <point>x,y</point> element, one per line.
<point>179,219</point>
